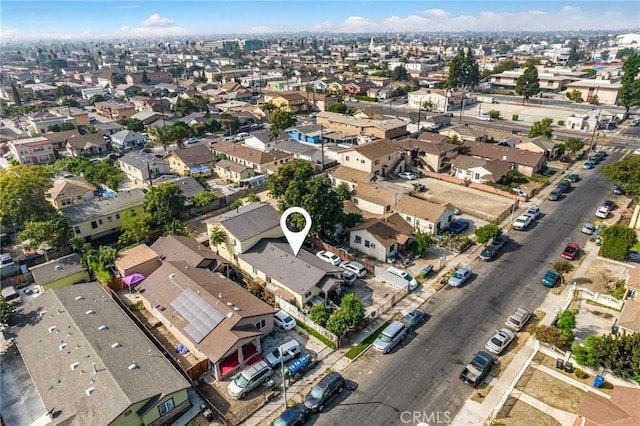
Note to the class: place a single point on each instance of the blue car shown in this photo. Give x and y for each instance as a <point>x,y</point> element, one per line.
<point>550,278</point>
<point>459,226</point>
<point>293,416</point>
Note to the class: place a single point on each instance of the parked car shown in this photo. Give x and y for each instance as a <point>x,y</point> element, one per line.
<point>564,158</point>
<point>293,416</point>
<point>522,222</point>
<point>284,353</point>
<point>573,177</point>
<point>414,318</point>
<point>459,226</point>
<point>413,283</point>
<point>284,321</point>
<point>328,257</point>
<point>550,278</point>
<point>534,212</point>
<point>564,186</point>
<point>609,204</point>
<point>324,391</point>
<point>554,195</point>
<point>588,228</point>
<point>249,379</point>
<point>484,117</point>
<point>191,141</point>
<point>478,369</point>
<point>347,250</point>
<point>349,277</point>
<point>571,250</point>
<point>518,319</point>
<point>500,241</point>
<point>390,337</point>
<point>602,212</point>
<point>499,341</point>
<point>618,191</point>
<point>489,253</point>
<point>588,165</point>
<point>354,267</point>
<point>407,175</point>
<point>459,277</point>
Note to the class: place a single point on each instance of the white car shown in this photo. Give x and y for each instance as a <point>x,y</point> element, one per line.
<point>534,212</point>
<point>522,222</point>
<point>283,353</point>
<point>407,175</point>
<point>284,320</point>
<point>602,212</point>
<point>354,267</point>
<point>588,228</point>
<point>484,117</point>
<point>328,257</point>
<point>500,340</point>
<point>636,152</point>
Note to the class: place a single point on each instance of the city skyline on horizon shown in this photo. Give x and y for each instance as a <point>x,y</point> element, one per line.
<point>32,20</point>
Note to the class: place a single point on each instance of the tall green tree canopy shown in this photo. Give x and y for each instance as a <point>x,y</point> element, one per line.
<point>528,84</point>
<point>463,70</point>
<point>281,120</point>
<point>618,353</point>
<point>134,228</point>
<point>55,231</point>
<point>23,195</point>
<point>629,93</point>
<point>541,128</point>
<point>400,74</point>
<point>164,203</point>
<point>624,173</point>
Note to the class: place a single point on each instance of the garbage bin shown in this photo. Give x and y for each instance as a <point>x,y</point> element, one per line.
<point>560,363</point>
<point>568,367</point>
<point>598,381</point>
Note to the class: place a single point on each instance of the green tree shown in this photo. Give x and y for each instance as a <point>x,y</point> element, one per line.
<point>625,173</point>
<point>541,128</point>
<point>494,114</point>
<point>399,73</point>
<point>337,324</point>
<point>23,195</point>
<point>164,203</point>
<point>184,107</point>
<point>236,204</point>
<point>505,65</point>
<point>528,84</point>
<point>574,144</point>
<point>594,100</point>
<point>343,191</point>
<point>320,314</point>
<point>624,52</point>
<point>6,310</point>
<point>629,93</point>
<point>512,177</point>
<point>135,125</point>
<point>566,322</point>
<point>420,243</point>
<point>252,198</point>
<point>616,242</point>
<point>176,227</point>
<point>553,336</point>
<point>487,232</point>
<point>203,198</point>
<point>217,236</point>
<point>590,72</point>
<point>134,228</point>
<point>145,77</point>
<point>162,135</point>
<point>563,267</point>
<point>352,310</point>
<point>617,353</point>
<point>180,132</point>
<point>54,232</point>
<point>575,95</point>
<point>338,107</point>
<point>16,95</point>
<point>281,120</point>
<point>96,98</point>
<point>349,220</point>
<point>200,103</point>
<point>268,109</point>
<point>117,79</point>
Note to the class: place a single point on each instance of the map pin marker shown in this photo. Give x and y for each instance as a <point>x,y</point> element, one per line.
<point>295,239</point>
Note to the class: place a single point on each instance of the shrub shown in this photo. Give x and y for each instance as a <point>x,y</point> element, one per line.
<point>563,267</point>
<point>566,321</point>
<point>553,336</point>
<point>560,122</point>
<point>515,117</point>
<point>616,242</point>
<point>494,114</point>
<point>320,314</point>
<point>581,374</point>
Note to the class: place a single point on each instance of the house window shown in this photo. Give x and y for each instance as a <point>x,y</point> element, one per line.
<point>109,219</point>
<point>127,413</point>
<point>362,161</point>
<point>166,406</point>
<point>76,229</point>
<point>307,295</point>
<point>268,280</point>
<point>78,197</point>
<point>254,270</point>
<point>367,243</point>
<point>387,208</point>
<point>346,158</point>
<point>66,202</point>
<point>94,225</point>
<point>376,162</point>
<point>99,221</point>
<point>262,324</point>
<point>357,239</point>
<point>355,201</point>
<point>117,215</point>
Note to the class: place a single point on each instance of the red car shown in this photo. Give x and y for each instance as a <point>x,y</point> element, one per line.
<point>571,251</point>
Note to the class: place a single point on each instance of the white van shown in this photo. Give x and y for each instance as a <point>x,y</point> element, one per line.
<point>10,294</point>
<point>413,284</point>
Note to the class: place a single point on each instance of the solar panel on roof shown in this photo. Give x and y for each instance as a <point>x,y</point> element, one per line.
<point>201,316</point>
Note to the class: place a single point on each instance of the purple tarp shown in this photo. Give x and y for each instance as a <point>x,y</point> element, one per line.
<point>133,279</point>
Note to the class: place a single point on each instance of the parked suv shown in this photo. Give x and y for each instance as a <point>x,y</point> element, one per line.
<point>324,391</point>
<point>284,320</point>
<point>283,353</point>
<point>249,379</point>
<point>390,337</point>
<point>518,319</point>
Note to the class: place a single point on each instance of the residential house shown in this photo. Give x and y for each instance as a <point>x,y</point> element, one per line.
<point>300,151</point>
<point>526,162</point>
<point>541,144</point>
<point>232,171</point>
<point>88,145</point>
<point>308,134</point>
<point>140,167</point>
<point>381,129</point>
<point>629,319</point>
<point>357,88</point>
<point>272,264</point>
<point>427,120</point>
<point>140,259</point>
<point>32,151</point>
<point>66,270</point>
<point>550,80</point>
<point>104,78</point>
<point>287,101</point>
<point>152,77</point>
<point>102,216</point>
<point>262,140</point>
<point>80,116</point>
<point>43,121</point>
<point>479,170</point>
<point>70,191</point>
<point>108,128</point>
<point>193,161</point>
<point>380,93</point>
<point>349,176</point>
<point>128,139</point>
<point>464,133</point>
<point>380,157</point>
<point>621,409</point>
<point>244,228</point>
<point>261,162</point>
<point>116,111</point>
<point>605,90</point>
<point>381,238</point>
<point>424,216</point>
<point>438,99</point>
<point>377,198</point>
<point>59,139</point>
<point>188,185</point>
<point>147,117</point>
<point>92,365</point>
<point>435,156</point>
<point>319,101</point>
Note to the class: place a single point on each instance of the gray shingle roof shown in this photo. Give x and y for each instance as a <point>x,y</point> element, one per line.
<point>187,184</point>
<point>95,209</point>
<point>50,354</point>
<point>299,273</point>
<point>57,269</point>
<point>248,221</point>
<point>139,160</point>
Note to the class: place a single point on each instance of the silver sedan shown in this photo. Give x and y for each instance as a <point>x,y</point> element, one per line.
<point>500,340</point>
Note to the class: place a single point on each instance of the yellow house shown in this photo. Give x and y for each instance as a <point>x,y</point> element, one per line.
<point>67,270</point>
<point>233,171</point>
<point>103,216</point>
<point>194,161</point>
<point>288,101</point>
<point>70,191</point>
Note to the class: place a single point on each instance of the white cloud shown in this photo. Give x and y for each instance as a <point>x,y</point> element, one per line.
<point>7,33</point>
<point>565,18</point>
<point>260,30</point>
<point>152,31</point>
<point>156,20</point>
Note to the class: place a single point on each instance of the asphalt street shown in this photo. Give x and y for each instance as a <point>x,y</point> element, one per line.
<point>418,381</point>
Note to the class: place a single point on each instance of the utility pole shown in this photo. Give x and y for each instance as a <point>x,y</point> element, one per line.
<point>461,108</point>
<point>284,380</point>
<point>149,173</point>
<point>322,145</point>
<point>594,132</point>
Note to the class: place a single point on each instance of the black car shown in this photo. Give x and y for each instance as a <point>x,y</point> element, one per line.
<point>489,253</point>
<point>564,186</point>
<point>478,369</point>
<point>324,391</point>
<point>618,191</point>
<point>609,204</point>
<point>293,416</point>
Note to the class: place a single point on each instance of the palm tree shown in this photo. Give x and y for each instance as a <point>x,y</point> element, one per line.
<point>217,236</point>
<point>268,108</point>
<point>162,135</point>
<point>180,134</point>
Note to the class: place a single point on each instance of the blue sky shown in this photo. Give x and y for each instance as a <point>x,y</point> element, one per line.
<point>95,18</point>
